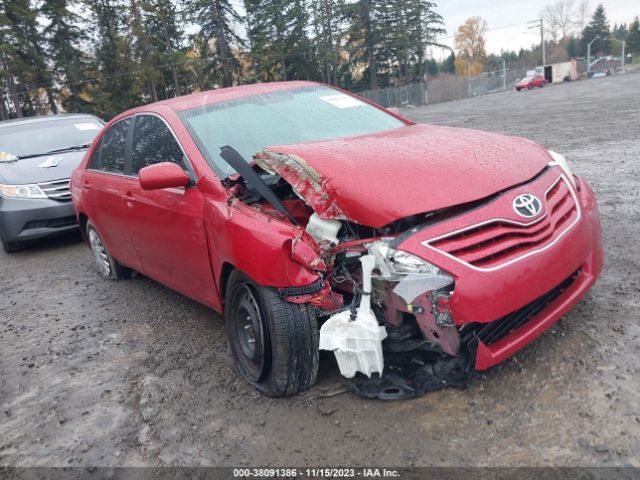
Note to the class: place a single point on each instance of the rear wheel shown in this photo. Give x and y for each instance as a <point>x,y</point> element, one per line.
<point>108,266</point>
<point>274,343</point>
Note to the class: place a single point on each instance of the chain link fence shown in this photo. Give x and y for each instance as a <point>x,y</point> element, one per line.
<point>414,94</point>
<point>443,88</point>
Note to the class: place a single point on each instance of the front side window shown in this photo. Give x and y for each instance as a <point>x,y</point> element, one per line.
<point>249,124</point>
<point>111,155</point>
<point>153,143</point>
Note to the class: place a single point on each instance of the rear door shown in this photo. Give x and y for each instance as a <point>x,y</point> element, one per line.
<point>166,225</point>
<point>104,184</point>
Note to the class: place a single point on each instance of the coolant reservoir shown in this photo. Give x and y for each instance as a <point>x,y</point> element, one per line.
<point>323,230</point>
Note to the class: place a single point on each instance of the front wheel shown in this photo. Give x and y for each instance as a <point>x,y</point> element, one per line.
<point>274,342</point>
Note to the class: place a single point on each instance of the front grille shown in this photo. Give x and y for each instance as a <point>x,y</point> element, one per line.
<point>489,333</point>
<point>497,242</point>
<point>57,190</point>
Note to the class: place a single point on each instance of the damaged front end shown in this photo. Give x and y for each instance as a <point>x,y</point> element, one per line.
<point>385,312</point>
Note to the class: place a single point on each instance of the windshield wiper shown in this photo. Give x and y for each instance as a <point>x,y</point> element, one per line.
<point>82,146</point>
<point>249,175</point>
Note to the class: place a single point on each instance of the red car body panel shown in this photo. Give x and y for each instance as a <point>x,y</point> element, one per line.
<point>352,169</point>
<point>191,240</point>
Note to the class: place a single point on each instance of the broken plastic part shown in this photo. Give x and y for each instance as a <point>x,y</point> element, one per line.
<point>412,374</point>
<point>325,232</point>
<point>357,344</point>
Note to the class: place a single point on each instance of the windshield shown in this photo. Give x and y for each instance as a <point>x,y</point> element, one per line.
<point>250,124</point>
<point>31,138</point>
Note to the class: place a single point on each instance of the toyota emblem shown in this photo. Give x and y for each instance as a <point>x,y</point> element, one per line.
<point>527,205</point>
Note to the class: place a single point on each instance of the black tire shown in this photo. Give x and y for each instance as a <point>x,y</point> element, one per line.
<point>10,247</point>
<point>108,267</point>
<point>274,343</point>
<point>517,89</point>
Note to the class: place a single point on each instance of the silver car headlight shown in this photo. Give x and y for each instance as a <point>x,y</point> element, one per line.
<point>392,262</point>
<point>561,161</point>
<point>22,191</point>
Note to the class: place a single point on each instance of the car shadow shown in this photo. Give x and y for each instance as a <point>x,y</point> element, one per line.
<point>50,243</point>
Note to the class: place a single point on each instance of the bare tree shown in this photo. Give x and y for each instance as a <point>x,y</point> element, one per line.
<point>583,14</point>
<point>559,18</point>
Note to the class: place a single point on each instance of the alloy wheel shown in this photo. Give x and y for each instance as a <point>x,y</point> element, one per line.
<point>99,252</point>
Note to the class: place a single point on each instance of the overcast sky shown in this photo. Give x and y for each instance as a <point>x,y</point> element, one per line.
<point>499,13</point>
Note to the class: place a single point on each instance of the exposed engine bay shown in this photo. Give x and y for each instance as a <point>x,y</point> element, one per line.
<point>371,297</point>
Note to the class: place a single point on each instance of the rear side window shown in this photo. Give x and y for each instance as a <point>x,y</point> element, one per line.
<point>153,143</point>
<point>111,155</point>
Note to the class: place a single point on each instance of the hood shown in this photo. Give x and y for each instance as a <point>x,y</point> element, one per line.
<point>27,170</point>
<point>376,179</point>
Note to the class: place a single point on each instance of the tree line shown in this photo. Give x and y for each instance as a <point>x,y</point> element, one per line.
<point>104,56</point>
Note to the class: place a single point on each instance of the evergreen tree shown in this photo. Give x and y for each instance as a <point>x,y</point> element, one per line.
<point>63,37</point>
<point>277,33</point>
<point>113,87</point>
<point>449,64</point>
<point>424,25</point>
<point>633,36</point>
<point>572,47</point>
<point>26,73</point>
<point>327,19</point>
<point>597,27</point>
<point>216,19</point>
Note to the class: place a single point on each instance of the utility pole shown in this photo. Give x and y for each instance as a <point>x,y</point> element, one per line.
<point>504,74</point>
<point>623,44</point>
<point>589,54</point>
<point>469,74</point>
<point>540,24</point>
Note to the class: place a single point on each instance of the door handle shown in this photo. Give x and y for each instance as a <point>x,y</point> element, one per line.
<point>86,185</point>
<point>128,198</point>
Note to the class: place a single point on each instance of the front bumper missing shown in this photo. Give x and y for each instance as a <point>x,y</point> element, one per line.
<point>527,297</point>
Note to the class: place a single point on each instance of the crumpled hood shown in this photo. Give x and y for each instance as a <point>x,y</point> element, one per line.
<point>376,179</point>
<point>27,170</point>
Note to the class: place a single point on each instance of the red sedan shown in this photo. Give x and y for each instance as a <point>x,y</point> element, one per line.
<point>264,202</point>
<point>530,83</point>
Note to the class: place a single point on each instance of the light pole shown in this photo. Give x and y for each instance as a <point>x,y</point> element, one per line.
<point>589,53</point>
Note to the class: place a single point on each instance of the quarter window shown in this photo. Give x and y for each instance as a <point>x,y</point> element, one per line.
<point>153,143</point>
<point>112,153</point>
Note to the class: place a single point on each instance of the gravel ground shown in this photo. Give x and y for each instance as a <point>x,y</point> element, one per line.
<point>131,373</point>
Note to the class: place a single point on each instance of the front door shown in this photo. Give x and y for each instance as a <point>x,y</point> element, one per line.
<point>166,225</point>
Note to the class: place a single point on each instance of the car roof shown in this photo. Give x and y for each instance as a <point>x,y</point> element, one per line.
<point>209,97</point>
<point>44,118</point>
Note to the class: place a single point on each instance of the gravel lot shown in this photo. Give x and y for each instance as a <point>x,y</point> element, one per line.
<point>131,373</point>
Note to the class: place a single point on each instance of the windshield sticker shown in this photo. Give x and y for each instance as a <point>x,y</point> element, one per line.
<point>342,101</point>
<point>7,157</point>
<point>51,162</point>
<point>86,126</point>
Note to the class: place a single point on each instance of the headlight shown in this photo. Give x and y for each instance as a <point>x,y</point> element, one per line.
<point>403,262</point>
<point>22,191</point>
<point>561,161</point>
<point>397,262</point>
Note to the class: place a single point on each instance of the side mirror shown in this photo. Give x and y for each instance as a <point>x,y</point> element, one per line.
<point>163,175</point>
<point>394,110</point>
